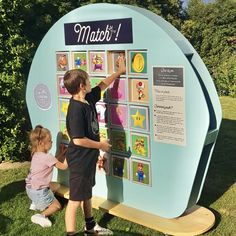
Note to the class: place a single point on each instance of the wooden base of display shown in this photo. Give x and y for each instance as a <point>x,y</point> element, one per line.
<point>195,221</point>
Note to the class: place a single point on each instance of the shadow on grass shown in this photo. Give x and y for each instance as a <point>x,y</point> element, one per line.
<point>62,200</point>
<point>8,192</point>
<point>105,219</point>
<point>217,218</point>
<point>4,221</point>
<point>11,190</point>
<point>222,170</point>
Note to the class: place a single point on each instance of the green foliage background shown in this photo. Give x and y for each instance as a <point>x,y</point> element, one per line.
<point>211,28</point>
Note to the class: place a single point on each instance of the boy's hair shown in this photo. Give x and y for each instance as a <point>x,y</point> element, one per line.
<point>73,78</point>
<point>38,134</point>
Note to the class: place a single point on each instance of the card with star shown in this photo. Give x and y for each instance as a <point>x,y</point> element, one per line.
<point>79,60</point>
<point>139,118</point>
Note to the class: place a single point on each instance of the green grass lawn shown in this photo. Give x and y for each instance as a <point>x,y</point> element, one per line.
<point>219,194</point>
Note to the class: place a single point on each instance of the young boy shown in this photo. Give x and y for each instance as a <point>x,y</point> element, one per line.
<point>83,150</point>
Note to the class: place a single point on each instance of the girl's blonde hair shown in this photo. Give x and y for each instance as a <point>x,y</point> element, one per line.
<point>38,134</point>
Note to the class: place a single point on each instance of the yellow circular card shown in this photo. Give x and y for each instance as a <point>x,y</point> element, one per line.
<point>138,63</point>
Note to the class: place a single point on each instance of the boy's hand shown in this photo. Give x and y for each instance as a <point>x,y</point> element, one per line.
<point>105,145</point>
<point>121,65</point>
<point>121,69</point>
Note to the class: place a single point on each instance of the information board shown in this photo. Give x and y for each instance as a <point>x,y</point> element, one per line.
<point>162,116</point>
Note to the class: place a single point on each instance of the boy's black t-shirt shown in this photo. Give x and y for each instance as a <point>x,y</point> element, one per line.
<point>81,121</point>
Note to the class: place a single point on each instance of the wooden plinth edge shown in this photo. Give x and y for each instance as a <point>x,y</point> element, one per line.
<point>195,221</point>
<point>60,189</point>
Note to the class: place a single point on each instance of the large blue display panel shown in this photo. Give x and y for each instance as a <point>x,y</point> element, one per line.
<point>162,116</point>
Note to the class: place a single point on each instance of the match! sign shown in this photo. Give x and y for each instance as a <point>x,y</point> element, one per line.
<point>99,32</point>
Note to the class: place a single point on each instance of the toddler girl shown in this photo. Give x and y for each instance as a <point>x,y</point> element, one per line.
<point>40,175</point>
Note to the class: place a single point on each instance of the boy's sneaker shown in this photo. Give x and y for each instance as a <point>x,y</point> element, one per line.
<point>97,230</point>
<point>41,220</point>
<point>32,207</point>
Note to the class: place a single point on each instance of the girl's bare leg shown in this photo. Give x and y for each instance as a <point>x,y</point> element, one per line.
<point>52,208</point>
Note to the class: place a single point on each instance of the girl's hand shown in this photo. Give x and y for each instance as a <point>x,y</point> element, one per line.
<point>62,148</point>
<point>61,153</point>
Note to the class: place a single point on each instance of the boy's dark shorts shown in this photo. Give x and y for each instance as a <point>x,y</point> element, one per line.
<point>80,188</point>
<point>82,170</point>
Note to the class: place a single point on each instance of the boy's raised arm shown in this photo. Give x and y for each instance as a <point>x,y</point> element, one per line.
<point>121,70</point>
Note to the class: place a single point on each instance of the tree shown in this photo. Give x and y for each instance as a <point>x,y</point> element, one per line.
<point>211,28</point>
<point>14,55</point>
<point>171,10</point>
<point>23,24</point>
